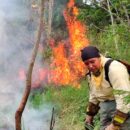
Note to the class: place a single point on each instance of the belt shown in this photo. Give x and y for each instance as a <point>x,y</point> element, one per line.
<point>109,100</point>
<point>128,114</point>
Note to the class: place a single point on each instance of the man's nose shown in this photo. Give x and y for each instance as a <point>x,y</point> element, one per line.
<point>90,66</point>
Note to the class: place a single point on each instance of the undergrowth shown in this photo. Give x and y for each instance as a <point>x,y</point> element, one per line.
<point>69,104</point>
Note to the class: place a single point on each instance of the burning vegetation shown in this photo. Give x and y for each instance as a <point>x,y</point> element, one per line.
<point>66,67</point>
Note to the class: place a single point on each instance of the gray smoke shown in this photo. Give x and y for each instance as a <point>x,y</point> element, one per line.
<point>16,43</point>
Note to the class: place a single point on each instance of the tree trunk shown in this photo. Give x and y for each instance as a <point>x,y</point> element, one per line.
<point>113,26</point>
<point>109,9</point>
<point>126,13</point>
<point>50,12</point>
<point>24,99</point>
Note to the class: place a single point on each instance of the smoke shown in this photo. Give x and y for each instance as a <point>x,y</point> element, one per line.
<point>16,43</point>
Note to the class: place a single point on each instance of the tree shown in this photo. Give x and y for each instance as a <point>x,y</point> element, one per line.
<point>23,102</point>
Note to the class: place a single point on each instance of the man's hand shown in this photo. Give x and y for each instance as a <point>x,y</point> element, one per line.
<point>89,122</point>
<point>112,127</point>
<point>89,119</point>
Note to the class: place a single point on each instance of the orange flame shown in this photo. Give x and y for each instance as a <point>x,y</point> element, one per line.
<point>61,73</point>
<point>67,66</point>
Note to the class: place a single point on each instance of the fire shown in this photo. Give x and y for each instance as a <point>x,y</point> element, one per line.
<point>61,69</point>
<point>67,68</point>
<point>77,30</point>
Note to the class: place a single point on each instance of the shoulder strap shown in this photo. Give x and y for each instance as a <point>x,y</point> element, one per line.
<point>106,67</point>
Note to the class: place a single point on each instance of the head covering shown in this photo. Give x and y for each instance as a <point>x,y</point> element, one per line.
<point>89,52</point>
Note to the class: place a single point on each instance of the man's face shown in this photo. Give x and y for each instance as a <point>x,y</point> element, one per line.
<point>93,64</point>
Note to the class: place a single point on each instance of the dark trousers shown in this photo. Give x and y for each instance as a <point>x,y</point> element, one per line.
<point>107,111</point>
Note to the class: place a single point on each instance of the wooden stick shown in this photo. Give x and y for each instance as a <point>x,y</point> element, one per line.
<point>52,120</point>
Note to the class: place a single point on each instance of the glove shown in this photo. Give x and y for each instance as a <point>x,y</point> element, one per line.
<point>89,119</point>
<point>112,127</point>
<point>88,122</point>
<point>119,118</point>
<point>92,109</point>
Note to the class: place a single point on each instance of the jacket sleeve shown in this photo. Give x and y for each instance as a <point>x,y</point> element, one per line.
<point>119,79</point>
<point>93,105</point>
<point>92,96</point>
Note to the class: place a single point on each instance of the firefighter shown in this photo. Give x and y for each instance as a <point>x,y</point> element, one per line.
<point>109,99</point>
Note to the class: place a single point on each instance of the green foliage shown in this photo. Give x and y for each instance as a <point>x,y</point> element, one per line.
<point>122,38</point>
<point>125,93</point>
<point>118,10</point>
<point>69,103</point>
<point>47,53</point>
<point>127,99</point>
<point>67,95</point>
<point>36,100</point>
<point>94,16</point>
<point>58,18</point>
<point>105,40</point>
<point>73,104</point>
<point>97,14</point>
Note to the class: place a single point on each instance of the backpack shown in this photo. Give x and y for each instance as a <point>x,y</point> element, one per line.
<point>106,67</point>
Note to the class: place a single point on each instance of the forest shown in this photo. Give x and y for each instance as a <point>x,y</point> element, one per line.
<point>45,79</point>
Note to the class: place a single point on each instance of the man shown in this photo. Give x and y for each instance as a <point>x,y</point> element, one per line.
<point>107,98</point>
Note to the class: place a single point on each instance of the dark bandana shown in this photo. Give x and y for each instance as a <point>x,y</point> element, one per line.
<point>89,52</point>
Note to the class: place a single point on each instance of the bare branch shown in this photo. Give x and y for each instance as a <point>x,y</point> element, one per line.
<point>50,12</point>
<point>52,120</point>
